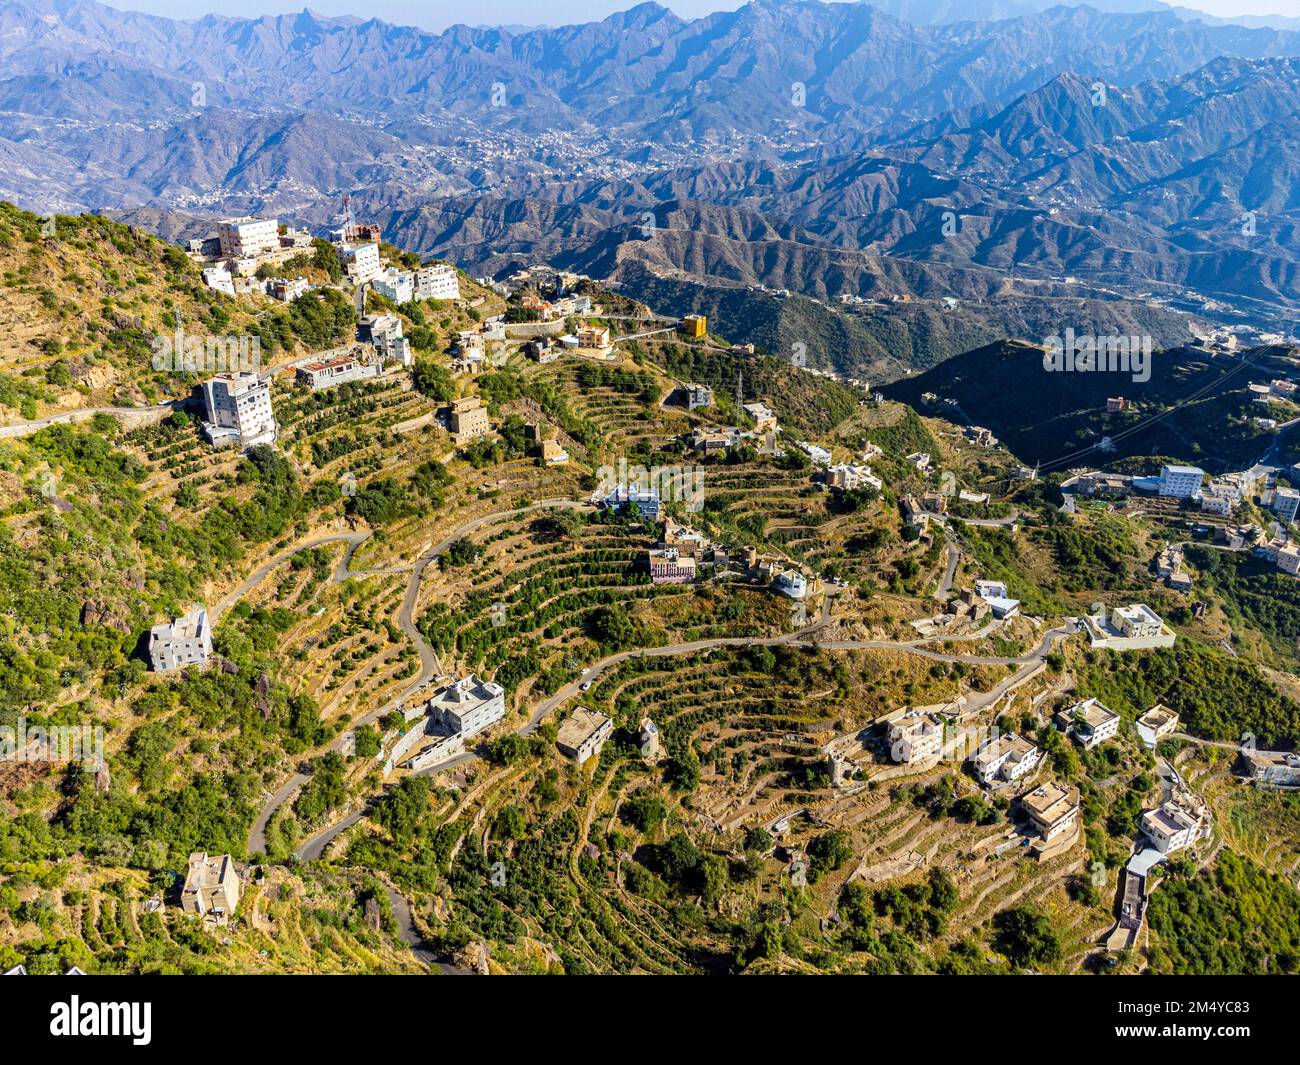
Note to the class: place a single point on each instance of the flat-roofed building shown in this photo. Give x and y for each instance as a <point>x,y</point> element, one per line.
<point>1092,722</point>
<point>1010,758</point>
<point>187,641</point>
<point>360,261</point>
<point>1176,824</point>
<point>467,706</point>
<point>915,737</point>
<point>1276,769</point>
<point>248,237</point>
<point>237,410</point>
<point>698,396</point>
<point>1052,809</point>
<point>583,734</point>
<point>469,419</point>
<point>211,886</point>
<point>1286,503</point>
<point>695,326</point>
<point>394,284</point>
<point>764,418</point>
<point>437,281</point>
<point>1180,482</point>
<point>623,496</point>
<point>1138,621</point>
<point>1156,723</point>
<point>669,566</point>
<point>338,370</point>
<point>553,454</point>
<point>594,336</point>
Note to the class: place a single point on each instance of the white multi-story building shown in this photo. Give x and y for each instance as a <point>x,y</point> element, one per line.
<point>360,261</point>
<point>396,285</point>
<point>248,237</point>
<point>1137,622</point>
<point>1053,809</point>
<point>237,410</point>
<point>1176,824</point>
<point>1286,502</point>
<point>915,737</point>
<point>1010,758</point>
<point>438,281</point>
<point>1288,560</point>
<point>187,641</point>
<point>1092,721</point>
<point>467,706</point>
<point>1181,482</point>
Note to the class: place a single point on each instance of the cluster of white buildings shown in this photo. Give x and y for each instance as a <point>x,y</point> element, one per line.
<point>849,477</point>
<point>438,281</point>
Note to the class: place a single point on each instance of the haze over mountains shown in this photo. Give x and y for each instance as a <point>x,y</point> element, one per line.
<point>828,149</point>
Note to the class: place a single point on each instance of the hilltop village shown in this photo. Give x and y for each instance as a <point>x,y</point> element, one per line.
<point>516,621</point>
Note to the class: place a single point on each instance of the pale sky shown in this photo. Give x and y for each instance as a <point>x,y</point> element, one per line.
<point>439,14</point>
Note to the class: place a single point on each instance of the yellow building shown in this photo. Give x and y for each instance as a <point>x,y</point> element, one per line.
<point>695,325</point>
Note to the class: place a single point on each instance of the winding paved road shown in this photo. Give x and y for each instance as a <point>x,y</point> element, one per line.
<point>430,666</point>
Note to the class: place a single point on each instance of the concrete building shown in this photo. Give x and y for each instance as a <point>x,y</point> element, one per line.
<point>595,337</point>
<point>384,332</point>
<point>1180,482</point>
<point>394,284</point>
<point>1286,503</point>
<point>1053,810</point>
<point>219,279</point>
<point>583,734</point>
<point>850,477</point>
<point>360,261</point>
<point>1129,628</point>
<point>1273,769</point>
<point>764,419</point>
<point>334,371</point>
<point>241,238</point>
<point>467,706</point>
<point>187,641</point>
<point>915,737</point>
<point>1288,560</point>
<point>791,583</point>
<point>438,281</point>
<point>622,496</point>
<point>1137,621</point>
<point>469,419</point>
<point>1156,723</point>
<point>695,326</point>
<point>698,396</point>
<point>237,410</point>
<point>1092,722</point>
<point>211,887</point>
<point>669,566</point>
<point>1009,758</point>
<point>1176,824</point>
<point>287,289</point>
